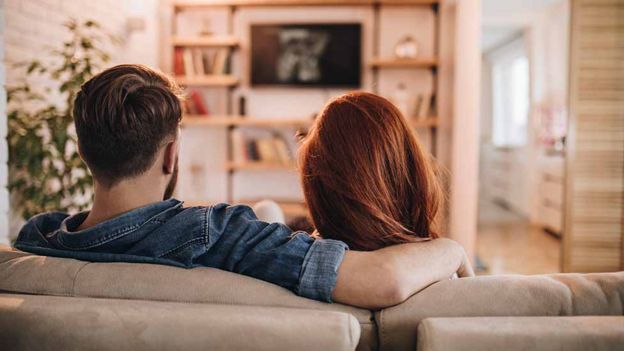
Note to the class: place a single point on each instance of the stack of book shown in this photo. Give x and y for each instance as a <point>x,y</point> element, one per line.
<point>270,149</point>
<point>193,62</point>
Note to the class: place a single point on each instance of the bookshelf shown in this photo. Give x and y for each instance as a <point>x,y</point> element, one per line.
<point>228,81</point>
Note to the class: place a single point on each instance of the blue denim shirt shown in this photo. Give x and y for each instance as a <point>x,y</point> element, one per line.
<point>225,237</point>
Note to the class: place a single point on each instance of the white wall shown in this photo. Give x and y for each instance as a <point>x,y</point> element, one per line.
<point>31,27</point>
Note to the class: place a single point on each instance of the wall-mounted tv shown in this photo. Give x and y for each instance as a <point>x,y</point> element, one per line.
<point>315,55</point>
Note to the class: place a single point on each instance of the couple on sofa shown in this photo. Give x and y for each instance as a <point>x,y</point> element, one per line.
<point>372,192</point>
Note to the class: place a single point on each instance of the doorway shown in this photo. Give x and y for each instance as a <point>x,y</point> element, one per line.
<point>522,144</point>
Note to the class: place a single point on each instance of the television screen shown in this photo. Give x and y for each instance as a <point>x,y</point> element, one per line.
<point>306,54</point>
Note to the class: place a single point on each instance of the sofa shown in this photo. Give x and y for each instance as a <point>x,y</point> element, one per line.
<point>55,303</point>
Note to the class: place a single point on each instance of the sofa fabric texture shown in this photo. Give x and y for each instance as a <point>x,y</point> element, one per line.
<point>393,328</point>
<point>32,322</point>
<point>522,333</point>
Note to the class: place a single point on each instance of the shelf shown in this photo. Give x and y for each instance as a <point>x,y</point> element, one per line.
<point>242,121</point>
<point>259,166</point>
<point>404,63</point>
<point>184,4</point>
<point>215,80</point>
<point>291,208</point>
<point>207,41</point>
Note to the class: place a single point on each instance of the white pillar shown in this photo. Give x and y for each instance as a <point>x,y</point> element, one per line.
<point>465,134</point>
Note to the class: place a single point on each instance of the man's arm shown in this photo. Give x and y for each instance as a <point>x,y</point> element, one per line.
<point>388,276</point>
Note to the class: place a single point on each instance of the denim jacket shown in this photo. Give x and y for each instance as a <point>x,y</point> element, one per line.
<point>221,236</point>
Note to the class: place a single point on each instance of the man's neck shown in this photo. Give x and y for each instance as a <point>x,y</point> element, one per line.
<point>125,196</point>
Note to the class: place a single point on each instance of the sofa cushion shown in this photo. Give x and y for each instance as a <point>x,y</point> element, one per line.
<point>521,333</point>
<point>31,322</point>
<point>503,295</point>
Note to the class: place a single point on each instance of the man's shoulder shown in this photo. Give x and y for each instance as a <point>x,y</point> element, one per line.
<point>37,227</point>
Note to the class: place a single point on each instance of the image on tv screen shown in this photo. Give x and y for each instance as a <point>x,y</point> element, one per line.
<point>306,54</point>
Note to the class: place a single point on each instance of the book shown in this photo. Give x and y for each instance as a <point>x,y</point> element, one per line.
<point>423,111</point>
<point>218,66</point>
<point>187,58</point>
<point>252,150</point>
<point>266,150</point>
<point>178,61</point>
<point>281,149</point>
<point>199,105</point>
<point>198,63</point>
<point>207,61</point>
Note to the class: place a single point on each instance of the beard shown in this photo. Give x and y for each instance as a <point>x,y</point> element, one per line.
<point>172,182</point>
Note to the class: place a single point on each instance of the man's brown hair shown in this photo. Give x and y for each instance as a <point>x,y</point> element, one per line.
<point>123,116</point>
<point>366,179</point>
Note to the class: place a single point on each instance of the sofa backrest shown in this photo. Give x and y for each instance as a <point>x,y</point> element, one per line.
<point>26,273</point>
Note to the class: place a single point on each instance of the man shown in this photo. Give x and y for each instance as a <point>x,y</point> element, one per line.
<point>127,120</point>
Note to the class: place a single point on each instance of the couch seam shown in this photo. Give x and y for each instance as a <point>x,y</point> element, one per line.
<point>73,289</point>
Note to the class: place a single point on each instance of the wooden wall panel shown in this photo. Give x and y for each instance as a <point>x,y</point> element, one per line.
<point>593,234</point>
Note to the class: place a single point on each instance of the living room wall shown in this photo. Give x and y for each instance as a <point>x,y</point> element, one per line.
<point>29,28</point>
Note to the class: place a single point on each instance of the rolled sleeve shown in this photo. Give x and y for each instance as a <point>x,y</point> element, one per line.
<point>320,269</point>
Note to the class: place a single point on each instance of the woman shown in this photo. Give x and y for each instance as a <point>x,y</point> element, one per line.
<point>366,179</point>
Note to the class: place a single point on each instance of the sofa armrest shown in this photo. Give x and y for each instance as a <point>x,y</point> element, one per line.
<point>37,322</point>
<point>521,333</point>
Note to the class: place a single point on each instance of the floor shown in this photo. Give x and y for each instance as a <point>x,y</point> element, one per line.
<point>509,244</point>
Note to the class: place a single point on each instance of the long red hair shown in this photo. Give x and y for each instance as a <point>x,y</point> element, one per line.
<point>365,177</point>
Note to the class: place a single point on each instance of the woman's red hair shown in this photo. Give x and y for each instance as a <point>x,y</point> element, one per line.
<point>365,177</point>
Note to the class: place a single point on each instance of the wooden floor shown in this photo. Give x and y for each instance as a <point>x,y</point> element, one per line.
<point>509,244</point>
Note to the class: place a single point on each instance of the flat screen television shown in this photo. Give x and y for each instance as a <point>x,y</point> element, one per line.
<point>315,55</point>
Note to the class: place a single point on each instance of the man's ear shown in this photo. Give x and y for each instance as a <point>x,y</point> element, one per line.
<point>171,154</point>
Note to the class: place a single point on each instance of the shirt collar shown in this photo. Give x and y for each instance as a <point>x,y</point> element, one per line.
<point>112,228</point>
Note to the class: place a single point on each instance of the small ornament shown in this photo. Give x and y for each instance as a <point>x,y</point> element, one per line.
<point>406,48</point>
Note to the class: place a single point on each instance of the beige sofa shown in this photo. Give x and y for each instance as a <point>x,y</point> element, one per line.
<point>53,303</point>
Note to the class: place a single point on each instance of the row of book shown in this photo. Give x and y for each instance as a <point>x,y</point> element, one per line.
<point>192,62</point>
<point>270,149</point>
<point>194,104</point>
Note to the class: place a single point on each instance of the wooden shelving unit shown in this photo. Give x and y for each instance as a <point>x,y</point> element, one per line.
<point>230,121</point>
<point>208,81</point>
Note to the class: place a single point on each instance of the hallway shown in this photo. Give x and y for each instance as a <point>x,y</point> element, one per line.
<point>509,244</point>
